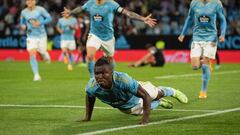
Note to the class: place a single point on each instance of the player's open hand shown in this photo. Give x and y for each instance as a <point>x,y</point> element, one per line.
<point>221,39</point>
<point>151,22</point>
<point>181,38</point>
<point>66,12</point>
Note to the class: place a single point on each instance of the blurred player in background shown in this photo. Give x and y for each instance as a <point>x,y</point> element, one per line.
<point>203,15</point>
<point>32,19</point>
<point>154,57</point>
<point>120,91</point>
<point>81,38</point>
<point>66,26</point>
<point>101,26</point>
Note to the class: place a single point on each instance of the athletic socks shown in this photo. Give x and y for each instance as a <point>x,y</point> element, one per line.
<point>70,59</point>
<point>205,76</point>
<point>168,91</point>
<point>34,65</point>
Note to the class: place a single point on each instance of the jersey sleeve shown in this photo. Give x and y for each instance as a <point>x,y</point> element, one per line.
<point>189,19</point>
<point>59,23</point>
<point>23,21</point>
<point>75,22</point>
<point>86,6</point>
<point>46,15</point>
<point>90,88</point>
<point>116,7</point>
<point>220,15</point>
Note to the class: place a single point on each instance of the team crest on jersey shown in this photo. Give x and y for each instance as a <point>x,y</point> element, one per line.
<point>98,18</point>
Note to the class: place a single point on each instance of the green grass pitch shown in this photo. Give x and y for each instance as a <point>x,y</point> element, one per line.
<point>65,90</point>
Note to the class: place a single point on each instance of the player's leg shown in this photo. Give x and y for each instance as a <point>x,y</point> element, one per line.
<point>43,49</point>
<point>71,47</point>
<point>93,44</point>
<point>196,52</point>
<point>32,47</point>
<point>64,51</point>
<point>156,96</point>
<point>177,94</point>
<point>205,77</point>
<point>208,54</point>
<point>108,48</point>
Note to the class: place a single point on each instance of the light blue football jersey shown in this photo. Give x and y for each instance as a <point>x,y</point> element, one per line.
<point>101,17</point>
<point>64,24</point>
<point>121,95</point>
<point>39,14</point>
<point>203,16</point>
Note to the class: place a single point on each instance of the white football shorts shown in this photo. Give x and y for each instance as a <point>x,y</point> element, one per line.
<point>202,48</point>
<point>108,47</point>
<point>153,93</point>
<point>40,44</point>
<point>69,44</point>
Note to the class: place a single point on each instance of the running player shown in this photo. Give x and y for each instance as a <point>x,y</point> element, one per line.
<point>203,15</point>
<point>101,33</point>
<point>66,26</point>
<point>33,19</point>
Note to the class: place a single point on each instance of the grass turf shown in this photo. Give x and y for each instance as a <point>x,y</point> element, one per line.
<point>61,87</point>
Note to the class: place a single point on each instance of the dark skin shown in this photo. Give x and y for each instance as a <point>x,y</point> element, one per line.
<point>103,76</point>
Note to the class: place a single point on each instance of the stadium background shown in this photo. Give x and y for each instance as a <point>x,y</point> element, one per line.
<point>52,106</point>
<point>131,36</point>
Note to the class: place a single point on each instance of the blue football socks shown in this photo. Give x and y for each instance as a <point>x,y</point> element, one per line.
<point>70,59</point>
<point>168,91</point>
<point>205,76</point>
<point>34,64</point>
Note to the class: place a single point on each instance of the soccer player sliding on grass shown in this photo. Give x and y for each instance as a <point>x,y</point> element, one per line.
<point>120,91</point>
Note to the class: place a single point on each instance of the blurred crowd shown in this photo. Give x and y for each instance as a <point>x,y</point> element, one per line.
<point>170,14</point>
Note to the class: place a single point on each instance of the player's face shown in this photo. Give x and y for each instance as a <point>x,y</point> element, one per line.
<point>103,76</point>
<point>30,3</point>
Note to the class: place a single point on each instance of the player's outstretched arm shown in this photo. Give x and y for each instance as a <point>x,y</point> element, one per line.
<point>75,11</point>
<point>223,22</point>
<point>187,24</point>
<point>142,93</point>
<point>151,22</point>
<point>89,107</point>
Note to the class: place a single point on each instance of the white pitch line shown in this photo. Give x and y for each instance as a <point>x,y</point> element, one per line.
<point>102,108</point>
<point>160,122</point>
<point>196,74</point>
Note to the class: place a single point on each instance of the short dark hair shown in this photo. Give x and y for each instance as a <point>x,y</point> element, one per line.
<point>104,60</point>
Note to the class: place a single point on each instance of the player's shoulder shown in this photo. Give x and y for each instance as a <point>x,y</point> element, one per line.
<point>218,2</point>
<point>92,84</point>
<point>194,3</point>
<point>73,18</point>
<point>111,2</point>
<point>121,77</point>
<point>24,10</point>
<point>40,8</point>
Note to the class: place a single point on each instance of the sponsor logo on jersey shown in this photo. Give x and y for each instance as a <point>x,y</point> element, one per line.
<point>98,18</point>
